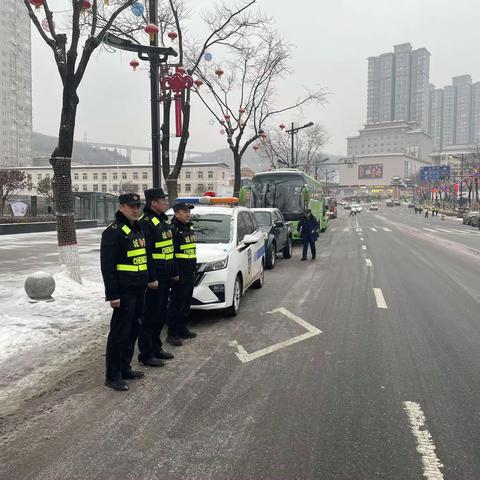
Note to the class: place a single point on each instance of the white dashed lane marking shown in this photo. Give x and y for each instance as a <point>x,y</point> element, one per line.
<point>374,229</point>
<point>364,247</point>
<point>425,446</point>
<point>368,262</point>
<point>386,229</point>
<point>380,298</point>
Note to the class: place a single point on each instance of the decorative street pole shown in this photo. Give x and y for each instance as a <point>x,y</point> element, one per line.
<point>292,132</point>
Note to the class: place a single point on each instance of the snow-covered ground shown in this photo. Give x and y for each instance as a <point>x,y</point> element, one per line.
<point>40,342</point>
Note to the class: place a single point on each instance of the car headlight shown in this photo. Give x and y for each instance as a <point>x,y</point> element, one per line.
<point>217,265</point>
<point>265,235</point>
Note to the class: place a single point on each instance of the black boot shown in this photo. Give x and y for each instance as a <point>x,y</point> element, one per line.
<point>120,385</point>
<point>187,334</point>
<point>153,362</point>
<point>162,354</point>
<point>176,341</point>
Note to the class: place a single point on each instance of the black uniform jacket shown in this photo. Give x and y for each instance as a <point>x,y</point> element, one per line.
<point>184,246</point>
<point>158,237</point>
<point>123,258</point>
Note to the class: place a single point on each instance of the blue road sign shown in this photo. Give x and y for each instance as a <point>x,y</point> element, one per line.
<point>435,173</point>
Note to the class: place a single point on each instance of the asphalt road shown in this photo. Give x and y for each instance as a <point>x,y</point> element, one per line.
<point>390,388</point>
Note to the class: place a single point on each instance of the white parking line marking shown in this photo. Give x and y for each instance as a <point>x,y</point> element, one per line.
<point>431,464</point>
<point>429,229</point>
<point>374,229</point>
<point>381,303</point>
<point>245,357</point>
<point>368,262</point>
<point>364,247</point>
<point>386,229</point>
<point>443,230</point>
<point>460,231</point>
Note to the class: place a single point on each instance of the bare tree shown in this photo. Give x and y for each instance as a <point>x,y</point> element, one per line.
<point>11,182</point>
<point>308,144</point>
<point>89,21</point>
<point>226,25</point>
<point>244,101</point>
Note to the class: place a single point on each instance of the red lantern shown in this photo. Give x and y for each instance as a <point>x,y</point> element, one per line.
<point>241,110</point>
<point>134,64</point>
<point>181,70</point>
<point>263,135</point>
<point>256,147</point>
<point>37,3</point>
<point>227,117</point>
<point>172,36</point>
<point>152,30</point>
<point>198,83</point>
<point>86,5</point>
<point>219,72</point>
<point>281,126</point>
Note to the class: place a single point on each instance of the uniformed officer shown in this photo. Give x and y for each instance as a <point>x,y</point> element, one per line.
<point>124,266</point>
<point>159,241</point>
<point>185,263</point>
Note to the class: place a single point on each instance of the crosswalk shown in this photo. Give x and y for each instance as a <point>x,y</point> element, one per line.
<point>441,231</point>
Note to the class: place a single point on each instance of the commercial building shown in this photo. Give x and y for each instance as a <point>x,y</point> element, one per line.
<point>195,178</point>
<point>15,85</point>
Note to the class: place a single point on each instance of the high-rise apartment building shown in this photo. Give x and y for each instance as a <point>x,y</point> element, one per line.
<point>455,114</point>
<point>398,86</point>
<point>15,85</point>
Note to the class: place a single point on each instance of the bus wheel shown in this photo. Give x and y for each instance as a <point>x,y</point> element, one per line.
<point>287,250</point>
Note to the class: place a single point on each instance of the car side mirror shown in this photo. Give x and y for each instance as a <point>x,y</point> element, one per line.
<point>250,239</point>
<point>279,224</point>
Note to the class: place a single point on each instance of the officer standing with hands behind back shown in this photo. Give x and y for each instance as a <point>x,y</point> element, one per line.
<point>124,266</point>
<point>158,236</point>
<point>185,264</point>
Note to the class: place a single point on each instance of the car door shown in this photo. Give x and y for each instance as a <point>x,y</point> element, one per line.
<point>241,252</point>
<point>280,232</point>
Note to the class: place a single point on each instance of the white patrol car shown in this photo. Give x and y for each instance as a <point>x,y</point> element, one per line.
<point>230,255</point>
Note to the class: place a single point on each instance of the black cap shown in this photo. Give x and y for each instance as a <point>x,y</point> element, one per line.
<point>154,194</point>
<point>182,206</point>
<point>130,199</point>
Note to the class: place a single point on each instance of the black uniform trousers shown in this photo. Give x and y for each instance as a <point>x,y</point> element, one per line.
<point>310,240</point>
<point>179,305</point>
<point>124,328</point>
<point>153,321</point>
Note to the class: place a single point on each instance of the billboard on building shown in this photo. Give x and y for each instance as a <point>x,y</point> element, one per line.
<point>370,171</point>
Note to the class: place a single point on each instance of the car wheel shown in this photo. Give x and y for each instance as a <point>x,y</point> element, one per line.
<point>234,308</point>
<point>287,250</point>
<point>259,282</point>
<point>271,256</point>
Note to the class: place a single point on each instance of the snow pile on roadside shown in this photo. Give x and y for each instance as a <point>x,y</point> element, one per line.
<point>25,326</point>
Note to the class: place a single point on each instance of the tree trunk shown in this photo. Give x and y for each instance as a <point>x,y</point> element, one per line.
<point>62,186</point>
<point>237,172</point>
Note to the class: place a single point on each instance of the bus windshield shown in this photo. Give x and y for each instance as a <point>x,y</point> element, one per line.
<point>278,191</point>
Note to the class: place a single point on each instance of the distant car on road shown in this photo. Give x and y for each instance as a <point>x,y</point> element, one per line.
<point>373,206</point>
<point>347,206</point>
<point>397,203</point>
<point>390,203</point>
<point>411,205</point>
<point>356,208</point>
<point>277,233</point>
<point>471,218</point>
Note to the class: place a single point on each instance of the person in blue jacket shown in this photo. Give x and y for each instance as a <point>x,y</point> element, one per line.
<point>308,227</point>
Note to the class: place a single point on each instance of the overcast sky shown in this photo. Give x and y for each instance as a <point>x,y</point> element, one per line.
<point>333,39</point>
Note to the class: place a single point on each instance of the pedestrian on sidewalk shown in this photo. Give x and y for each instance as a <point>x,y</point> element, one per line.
<point>308,227</point>
<point>159,243</point>
<point>125,273</point>
<point>185,251</point>
<point>426,212</point>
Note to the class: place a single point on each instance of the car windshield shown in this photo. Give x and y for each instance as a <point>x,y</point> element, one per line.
<point>278,191</point>
<point>212,228</point>
<point>263,218</point>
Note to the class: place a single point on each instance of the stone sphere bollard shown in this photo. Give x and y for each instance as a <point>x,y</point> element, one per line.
<point>40,286</point>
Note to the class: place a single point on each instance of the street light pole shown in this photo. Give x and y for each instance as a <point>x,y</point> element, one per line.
<point>155,101</point>
<point>293,131</point>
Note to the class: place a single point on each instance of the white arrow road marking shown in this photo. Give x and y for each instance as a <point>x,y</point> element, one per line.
<point>386,229</point>
<point>374,229</point>
<point>380,298</point>
<point>245,357</point>
<point>359,229</point>
<point>431,464</point>
<point>368,262</point>
<point>347,229</point>
<point>364,247</point>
